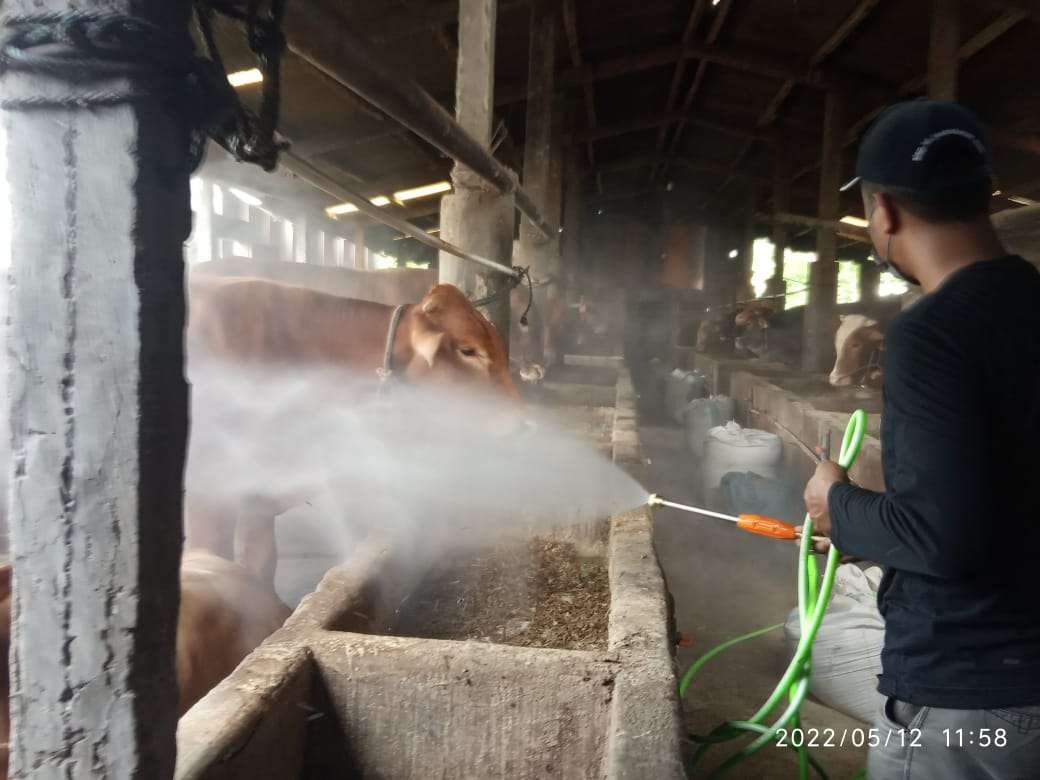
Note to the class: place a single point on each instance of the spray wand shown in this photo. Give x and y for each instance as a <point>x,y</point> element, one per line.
<point>753,524</point>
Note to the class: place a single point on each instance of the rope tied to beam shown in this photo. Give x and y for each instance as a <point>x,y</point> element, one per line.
<point>514,281</point>
<point>93,51</point>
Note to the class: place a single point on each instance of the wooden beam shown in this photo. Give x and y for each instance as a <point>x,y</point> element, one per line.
<point>689,163</point>
<point>570,26</point>
<point>694,20</point>
<point>319,36</point>
<point>781,205</point>
<point>659,120</point>
<point>943,44</point>
<point>986,36</point>
<point>786,218</point>
<point>721,14</point>
<point>542,175</point>
<point>834,41</point>
<point>990,33</point>
<point>738,58</point>
<point>472,218</point>
<point>424,18</point>
<point>818,336</point>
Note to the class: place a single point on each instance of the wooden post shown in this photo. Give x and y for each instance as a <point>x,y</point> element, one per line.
<point>818,334</point>
<point>541,177</point>
<point>781,205</point>
<point>745,290</point>
<point>943,50</point>
<point>869,279</point>
<point>476,217</point>
<point>99,209</point>
<point>573,208</point>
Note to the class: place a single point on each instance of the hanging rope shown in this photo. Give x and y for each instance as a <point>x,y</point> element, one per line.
<point>514,282</point>
<point>250,137</point>
<point>88,51</point>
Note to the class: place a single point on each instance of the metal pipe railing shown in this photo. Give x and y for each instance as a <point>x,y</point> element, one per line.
<point>319,37</point>
<point>309,173</point>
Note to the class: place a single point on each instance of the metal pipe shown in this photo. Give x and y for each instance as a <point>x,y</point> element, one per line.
<point>319,37</point>
<point>315,177</point>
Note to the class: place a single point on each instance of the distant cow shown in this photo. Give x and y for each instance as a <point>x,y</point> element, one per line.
<point>716,332</point>
<point>256,323</point>
<point>858,345</point>
<point>224,615</point>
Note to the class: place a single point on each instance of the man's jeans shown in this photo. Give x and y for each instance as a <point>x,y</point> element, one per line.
<point>930,743</point>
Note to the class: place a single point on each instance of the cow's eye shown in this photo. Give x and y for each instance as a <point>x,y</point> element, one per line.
<point>468,351</point>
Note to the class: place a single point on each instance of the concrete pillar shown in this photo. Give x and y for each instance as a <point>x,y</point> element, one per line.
<point>818,334</point>
<point>476,217</point>
<point>360,261</point>
<point>870,278</point>
<point>541,177</point>
<point>98,201</point>
<point>781,204</point>
<point>943,50</point>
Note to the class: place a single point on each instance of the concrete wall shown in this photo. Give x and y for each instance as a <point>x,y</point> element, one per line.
<point>320,700</point>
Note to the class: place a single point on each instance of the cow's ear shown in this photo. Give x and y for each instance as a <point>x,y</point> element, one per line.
<point>427,344</point>
<point>431,306</point>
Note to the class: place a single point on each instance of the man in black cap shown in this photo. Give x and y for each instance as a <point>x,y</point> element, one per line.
<point>957,529</point>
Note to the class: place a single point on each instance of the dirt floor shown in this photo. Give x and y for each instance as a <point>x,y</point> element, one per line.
<point>541,594</point>
<point>725,584</point>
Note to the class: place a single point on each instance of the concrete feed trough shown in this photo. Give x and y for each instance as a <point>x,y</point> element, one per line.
<point>327,696</point>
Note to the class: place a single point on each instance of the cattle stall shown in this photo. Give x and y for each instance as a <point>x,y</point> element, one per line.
<point>351,686</point>
<point>593,177</point>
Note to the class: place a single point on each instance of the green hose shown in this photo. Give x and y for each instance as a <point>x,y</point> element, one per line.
<point>813,595</point>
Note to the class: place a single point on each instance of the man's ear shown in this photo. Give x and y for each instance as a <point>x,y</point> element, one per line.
<point>427,343</point>
<point>885,213</point>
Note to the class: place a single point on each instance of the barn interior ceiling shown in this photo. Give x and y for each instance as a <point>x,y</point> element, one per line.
<point>691,107</point>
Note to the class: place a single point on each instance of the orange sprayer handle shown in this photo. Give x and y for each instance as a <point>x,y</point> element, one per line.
<point>766,526</point>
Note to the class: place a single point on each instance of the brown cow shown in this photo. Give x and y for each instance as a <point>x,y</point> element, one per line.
<point>390,286</point>
<point>224,615</point>
<point>858,344</point>
<point>443,339</point>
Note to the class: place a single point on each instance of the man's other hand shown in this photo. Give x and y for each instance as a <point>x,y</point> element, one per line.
<point>827,474</point>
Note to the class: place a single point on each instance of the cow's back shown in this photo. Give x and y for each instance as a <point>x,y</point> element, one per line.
<point>391,287</point>
<point>262,322</point>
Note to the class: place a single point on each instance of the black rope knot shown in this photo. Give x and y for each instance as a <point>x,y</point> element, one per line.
<point>91,50</point>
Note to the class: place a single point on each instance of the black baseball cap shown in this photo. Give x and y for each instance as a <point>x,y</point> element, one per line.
<point>928,147</point>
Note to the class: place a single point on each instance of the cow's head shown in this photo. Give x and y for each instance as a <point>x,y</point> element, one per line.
<point>752,326</point>
<point>715,332</point>
<point>858,343</point>
<point>449,340</point>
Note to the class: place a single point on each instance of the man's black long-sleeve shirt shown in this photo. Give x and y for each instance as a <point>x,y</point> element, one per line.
<point>958,528</point>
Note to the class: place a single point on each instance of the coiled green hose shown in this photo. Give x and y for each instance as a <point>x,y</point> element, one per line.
<point>813,595</point>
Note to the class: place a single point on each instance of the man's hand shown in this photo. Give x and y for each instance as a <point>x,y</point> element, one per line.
<point>827,474</point>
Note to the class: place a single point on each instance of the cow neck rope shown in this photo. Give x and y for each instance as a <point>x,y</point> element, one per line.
<point>813,595</point>
<point>387,369</point>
